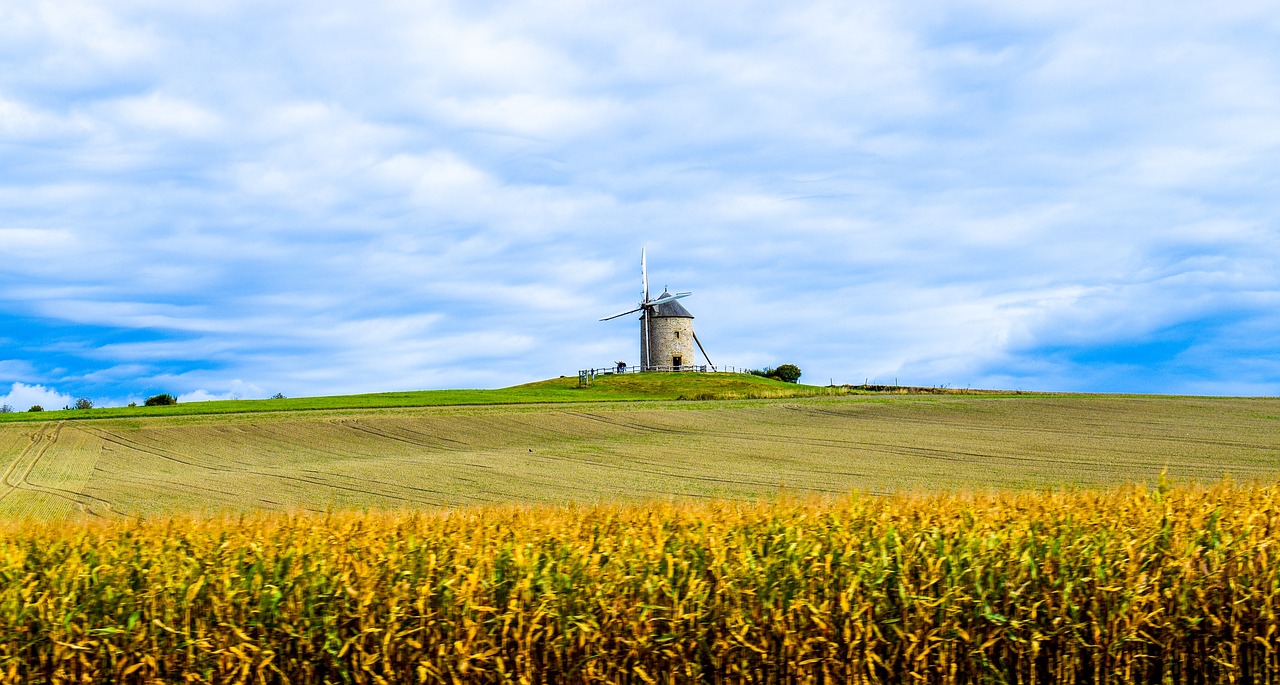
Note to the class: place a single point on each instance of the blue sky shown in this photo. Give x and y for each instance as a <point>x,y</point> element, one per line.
<point>220,199</point>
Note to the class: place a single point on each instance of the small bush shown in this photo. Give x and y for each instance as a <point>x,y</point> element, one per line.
<point>161,400</point>
<point>36,407</point>
<point>83,403</point>
<point>789,373</point>
<point>279,396</point>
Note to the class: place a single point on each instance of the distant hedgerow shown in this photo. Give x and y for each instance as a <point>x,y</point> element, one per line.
<point>161,400</point>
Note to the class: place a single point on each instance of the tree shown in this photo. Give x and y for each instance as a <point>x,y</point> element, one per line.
<point>161,400</point>
<point>84,403</point>
<point>277,396</point>
<point>789,373</point>
<point>36,407</point>
<point>5,409</point>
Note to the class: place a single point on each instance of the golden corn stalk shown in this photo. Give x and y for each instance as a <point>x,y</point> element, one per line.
<point>1118,586</point>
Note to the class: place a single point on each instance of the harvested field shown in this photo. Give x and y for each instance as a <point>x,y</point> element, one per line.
<point>625,451</point>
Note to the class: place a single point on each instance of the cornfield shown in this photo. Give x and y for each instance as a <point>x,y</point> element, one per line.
<point>1127,585</point>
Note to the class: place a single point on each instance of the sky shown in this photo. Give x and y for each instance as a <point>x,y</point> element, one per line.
<point>223,199</point>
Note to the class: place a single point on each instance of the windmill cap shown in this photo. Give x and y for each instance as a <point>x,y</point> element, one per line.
<point>672,310</point>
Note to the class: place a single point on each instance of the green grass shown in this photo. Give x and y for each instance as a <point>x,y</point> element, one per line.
<point>608,388</point>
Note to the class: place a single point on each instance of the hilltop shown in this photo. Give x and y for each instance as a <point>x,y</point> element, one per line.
<point>604,388</point>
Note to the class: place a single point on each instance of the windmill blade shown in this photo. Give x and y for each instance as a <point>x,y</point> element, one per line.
<point>667,297</point>
<point>644,276</point>
<point>629,311</point>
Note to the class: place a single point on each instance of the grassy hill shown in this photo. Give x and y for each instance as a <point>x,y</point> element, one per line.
<point>607,388</point>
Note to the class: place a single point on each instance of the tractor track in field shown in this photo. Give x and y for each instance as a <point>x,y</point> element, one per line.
<point>358,479</point>
<point>434,444</point>
<point>668,473</point>
<point>562,485</point>
<point>875,447</point>
<point>768,438</point>
<point>171,485</point>
<point>894,449</point>
<point>1119,457</point>
<point>369,430</point>
<point>121,441</point>
<point>84,502</point>
<point>37,439</point>
<point>334,481</point>
<point>650,467</point>
<point>333,486</point>
<point>636,426</point>
<point>1105,430</point>
<point>461,445</point>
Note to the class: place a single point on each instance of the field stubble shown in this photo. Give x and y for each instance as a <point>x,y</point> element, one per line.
<point>449,456</point>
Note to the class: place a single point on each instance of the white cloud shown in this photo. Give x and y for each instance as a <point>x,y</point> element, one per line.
<point>22,397</point>
<point>234,390</point>
<point>26,122</point>
<point>163,113</point>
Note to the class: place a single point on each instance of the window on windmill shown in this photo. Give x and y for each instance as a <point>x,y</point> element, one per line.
<point>677,334</point>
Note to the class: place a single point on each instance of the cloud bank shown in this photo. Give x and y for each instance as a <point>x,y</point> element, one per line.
<point>230,199</point>
<point>22,397</point>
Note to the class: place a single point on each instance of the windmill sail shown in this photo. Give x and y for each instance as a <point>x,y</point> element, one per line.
<point>629,311</point>
<point>666,297</point>
<point>644,276</point>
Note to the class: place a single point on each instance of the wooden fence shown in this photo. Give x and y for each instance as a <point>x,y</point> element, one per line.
<point>585,376</point>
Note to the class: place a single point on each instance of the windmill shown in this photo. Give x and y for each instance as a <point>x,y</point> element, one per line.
<point>666,328</point>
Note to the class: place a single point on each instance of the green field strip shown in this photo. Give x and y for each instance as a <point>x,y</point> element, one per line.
<point>626,388</point>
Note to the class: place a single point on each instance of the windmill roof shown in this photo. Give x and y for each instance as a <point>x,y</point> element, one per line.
<point>672,310</point>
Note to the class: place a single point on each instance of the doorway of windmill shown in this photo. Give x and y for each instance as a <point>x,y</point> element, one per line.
<point>676,361</point>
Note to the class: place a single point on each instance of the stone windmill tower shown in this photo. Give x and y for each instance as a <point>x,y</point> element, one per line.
<point>666,329</point>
